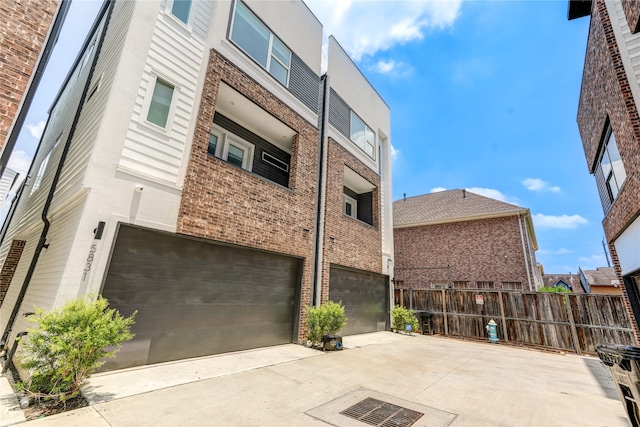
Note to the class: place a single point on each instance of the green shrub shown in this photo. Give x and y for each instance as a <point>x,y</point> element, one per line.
<point>401,317</point>
<point>327,319</point>
<point>69,344</point>
<point>556,288</point>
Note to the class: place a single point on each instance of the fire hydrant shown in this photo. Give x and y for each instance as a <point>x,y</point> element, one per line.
<point>492,327</point>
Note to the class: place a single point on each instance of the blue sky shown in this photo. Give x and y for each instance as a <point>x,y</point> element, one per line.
<point>483,96</point>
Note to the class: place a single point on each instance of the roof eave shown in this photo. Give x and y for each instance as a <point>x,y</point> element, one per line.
<point>578,9</point>
<point>463,219</point>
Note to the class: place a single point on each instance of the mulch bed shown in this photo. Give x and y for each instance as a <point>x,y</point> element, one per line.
<point>42,408</point>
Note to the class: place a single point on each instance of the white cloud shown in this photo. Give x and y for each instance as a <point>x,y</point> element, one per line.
<point>536,184</point>
<point>365,27</point>
<point>385,67</point>
<point>490,192</point>
<point>561,251</point>
<point>563,221</point>
<point>394,153</point>
<point>437,189</point>
<point>19,162</point>
<point>36,130</point>
<point>592,261</point>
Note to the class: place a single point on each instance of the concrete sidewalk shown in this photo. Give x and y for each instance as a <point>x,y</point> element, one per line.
<point>451,382</point>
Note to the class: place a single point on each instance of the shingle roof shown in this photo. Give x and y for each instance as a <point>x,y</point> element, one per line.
<point>449,206</point>
<point>601,276</point>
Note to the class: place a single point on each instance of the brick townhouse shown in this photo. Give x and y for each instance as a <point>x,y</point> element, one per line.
<point>29,30</point>
<point>458,239</point>
<point>201,167</point>
<point>609,126</point>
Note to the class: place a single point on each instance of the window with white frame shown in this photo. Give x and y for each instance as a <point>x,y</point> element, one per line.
<point>38,178</point>
<point>181,9</point>
<point>43,167</point>
<point>612,167</point>
<point>350,206</point>
<point>255,39</point>
<point>230,148</point>
<point>160,104</point>
<point>362,135</point>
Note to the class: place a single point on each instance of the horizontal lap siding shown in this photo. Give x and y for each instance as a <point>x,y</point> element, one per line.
<point>176,56</point>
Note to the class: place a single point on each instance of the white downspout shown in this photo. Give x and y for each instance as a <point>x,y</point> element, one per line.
<point>524,253</point>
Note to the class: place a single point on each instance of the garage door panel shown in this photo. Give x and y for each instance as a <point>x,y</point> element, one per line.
<point>196,298</point>
<point>364,296</point>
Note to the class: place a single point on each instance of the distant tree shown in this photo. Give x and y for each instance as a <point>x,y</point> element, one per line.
<point>557,289</point>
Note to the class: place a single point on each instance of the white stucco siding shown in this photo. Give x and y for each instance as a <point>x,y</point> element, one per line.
<point>628,248</point>
<point>355,90</point>
<point>295,25</point>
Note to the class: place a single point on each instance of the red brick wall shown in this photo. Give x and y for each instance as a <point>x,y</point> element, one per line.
<point>348,241</point>
<point>9,267</point>
<point>24,25</point>
<point>228,204</point>
<point>479,250</point>
<point>632,13</point>
<point>606,92</point>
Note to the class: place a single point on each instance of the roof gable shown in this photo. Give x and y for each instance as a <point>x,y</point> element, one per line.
<point>449,206</point>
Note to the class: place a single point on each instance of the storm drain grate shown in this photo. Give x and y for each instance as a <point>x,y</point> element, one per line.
<point>382,414</point>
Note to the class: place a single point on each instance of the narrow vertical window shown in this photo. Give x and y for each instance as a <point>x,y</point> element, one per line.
<point>160,103</point>
<point>612,167</point>
<point>180,9</point>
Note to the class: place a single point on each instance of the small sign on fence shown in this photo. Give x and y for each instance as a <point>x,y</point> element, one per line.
<point>480,299</point>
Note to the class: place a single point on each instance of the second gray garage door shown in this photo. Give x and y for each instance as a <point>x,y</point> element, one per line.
<point>365,297</point>
<point>196,298</point>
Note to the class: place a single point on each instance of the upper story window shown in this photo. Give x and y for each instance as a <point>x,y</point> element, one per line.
<point>363,136</point>
<point>248,32</point>
<point>231,148</point>
<point>160,104</point>
<point>181,10</point>
<point>612,167</point>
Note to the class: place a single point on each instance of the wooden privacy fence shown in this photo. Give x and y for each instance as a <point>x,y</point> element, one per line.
<point>572,322</point>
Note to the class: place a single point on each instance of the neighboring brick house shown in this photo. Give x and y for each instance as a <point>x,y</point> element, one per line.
<point>458,239</point>
<point>609,124</point>
<point>602,280</point>
<point>28,29</point>
<point>209,177</point>
<point>569,281</point>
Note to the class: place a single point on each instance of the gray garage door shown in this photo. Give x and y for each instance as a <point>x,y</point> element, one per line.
<point>195,298</point>
<point>365,297</point>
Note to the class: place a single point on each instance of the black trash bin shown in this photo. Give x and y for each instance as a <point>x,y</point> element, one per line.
<point>623,362</point>
<point>426,322</point>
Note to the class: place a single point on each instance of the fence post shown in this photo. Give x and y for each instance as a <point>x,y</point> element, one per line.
<point>504,319</point>
<point>444,312</point>
<point>411,299</point>
<point>572,323</point>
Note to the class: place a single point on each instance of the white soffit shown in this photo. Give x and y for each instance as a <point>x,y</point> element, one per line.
<point>356,183</point>
<point>241,110</point>
<point>628,248</point>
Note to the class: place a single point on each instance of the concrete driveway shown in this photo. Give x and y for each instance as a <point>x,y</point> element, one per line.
<point>449,382</point>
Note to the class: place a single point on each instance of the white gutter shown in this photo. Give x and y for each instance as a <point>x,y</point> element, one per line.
<point>524,252</point>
